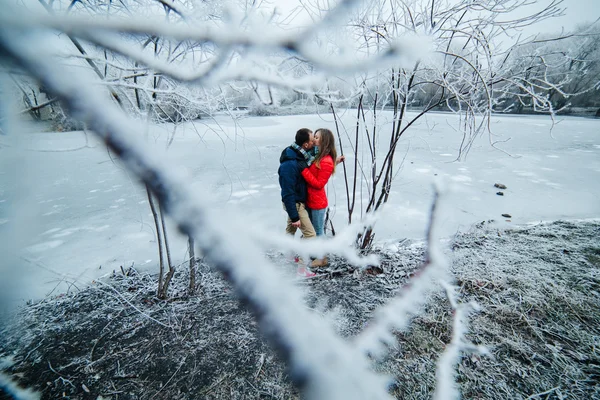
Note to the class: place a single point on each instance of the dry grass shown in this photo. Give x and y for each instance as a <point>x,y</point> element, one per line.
<point>538,287</point>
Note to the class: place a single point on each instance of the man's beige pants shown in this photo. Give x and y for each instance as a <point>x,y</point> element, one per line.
<point>306,227</point>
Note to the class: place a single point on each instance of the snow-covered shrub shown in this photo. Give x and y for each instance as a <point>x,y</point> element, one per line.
<point>259,109</point>
<point>60,121</point>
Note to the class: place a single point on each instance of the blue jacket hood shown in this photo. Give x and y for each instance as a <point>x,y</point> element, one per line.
<point>289,154</point>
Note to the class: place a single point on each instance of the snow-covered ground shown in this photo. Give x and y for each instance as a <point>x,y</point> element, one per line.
<point>70,213</point>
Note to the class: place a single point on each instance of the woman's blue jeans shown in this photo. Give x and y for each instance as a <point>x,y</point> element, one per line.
<point>317,217</point>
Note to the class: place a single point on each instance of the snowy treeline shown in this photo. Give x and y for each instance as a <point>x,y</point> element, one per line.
<point>476,53</point>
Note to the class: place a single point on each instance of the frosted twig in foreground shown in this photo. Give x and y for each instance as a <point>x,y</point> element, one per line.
<point>322,364</point>
<point>445,372</point>
<point>274,40</point>
<point>396,314</point>
<point>446,388</point>
<point>341,244</point>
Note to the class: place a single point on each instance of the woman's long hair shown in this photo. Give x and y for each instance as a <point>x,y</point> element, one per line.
<point>327,147</point>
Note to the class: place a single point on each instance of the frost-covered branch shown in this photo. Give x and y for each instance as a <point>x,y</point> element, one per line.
<point>230,35</point>
<point>342,244</point>
<point>396,315</point>
<point>322,364</point>
<point>445,372</point>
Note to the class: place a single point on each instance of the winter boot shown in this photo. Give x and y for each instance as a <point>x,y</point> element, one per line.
<point>320,263</point>
<point>304,272</point>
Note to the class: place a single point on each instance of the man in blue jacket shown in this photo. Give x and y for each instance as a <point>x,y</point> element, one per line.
<point>293,187</point>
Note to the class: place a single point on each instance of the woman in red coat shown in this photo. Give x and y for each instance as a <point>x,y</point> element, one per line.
<point>316,177</point>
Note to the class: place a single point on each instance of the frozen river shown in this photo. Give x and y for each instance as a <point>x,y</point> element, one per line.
<point>70,213</point>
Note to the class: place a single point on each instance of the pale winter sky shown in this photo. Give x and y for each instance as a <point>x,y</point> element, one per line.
<point>577,12</point>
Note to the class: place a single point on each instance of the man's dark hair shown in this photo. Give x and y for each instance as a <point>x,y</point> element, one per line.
<point>302,136</point>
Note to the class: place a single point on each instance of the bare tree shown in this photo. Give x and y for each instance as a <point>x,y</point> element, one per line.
<point>192,266</point>
<point>467,72</point>
<point>162,244</point>
<point>164,286</point>
<point>564,68</point>
<point>135,87</point>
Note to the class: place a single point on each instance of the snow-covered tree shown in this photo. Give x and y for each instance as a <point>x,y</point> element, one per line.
<point>476,58</point>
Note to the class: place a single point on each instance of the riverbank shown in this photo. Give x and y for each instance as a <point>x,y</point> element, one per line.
<point>538,288</point>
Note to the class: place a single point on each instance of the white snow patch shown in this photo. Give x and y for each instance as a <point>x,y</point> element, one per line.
<point>547,169</point>
<point>254,186</point>
<point>49,231</point>
<point>552,156</point>
<point>409,212</point>
<point>142,202</point>
<point>137,235</point>
<point>525,173</point>
<point>114,207</point>
<point>552,184</point>
<point>2,200</point>
<point>447,155</point>
<point>40,247</point>
<point>119,200</point>
<point>93,191</point>
<point>3,221</point>
<point>461,178</point>
<point>60,181</point>
<point>271,187</point>
<point>423,170</point>
<point>100,228</point>
<point>244,193</point>
<point>64,233</point>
